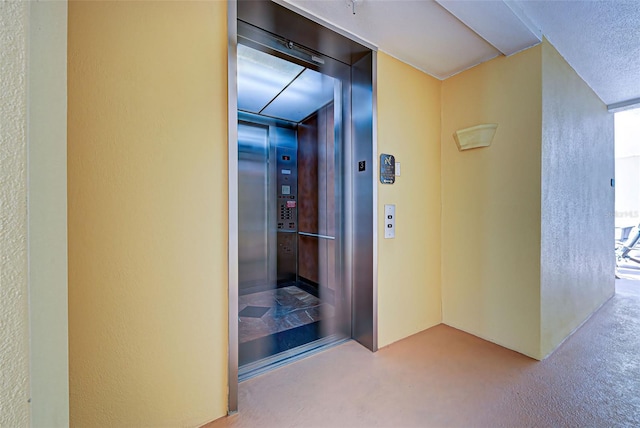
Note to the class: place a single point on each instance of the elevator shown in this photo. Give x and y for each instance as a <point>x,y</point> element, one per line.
<point>304,189</point>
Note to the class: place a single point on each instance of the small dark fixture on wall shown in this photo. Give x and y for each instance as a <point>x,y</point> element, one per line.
<point>387,169</point>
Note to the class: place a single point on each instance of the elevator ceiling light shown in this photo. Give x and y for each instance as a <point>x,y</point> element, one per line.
<point>261,77</point>
<point>277,88</point>
<point>475,136</point>
<point>309,92</point>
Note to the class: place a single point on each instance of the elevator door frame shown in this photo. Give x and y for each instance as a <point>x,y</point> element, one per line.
<point>360,190</point>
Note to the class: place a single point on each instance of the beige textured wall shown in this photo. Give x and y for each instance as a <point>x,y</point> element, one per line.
<point>14,309</point>
<point>577,201</point>
<point>147,213</point>
<point>491,203</point>
<point>409,297</point>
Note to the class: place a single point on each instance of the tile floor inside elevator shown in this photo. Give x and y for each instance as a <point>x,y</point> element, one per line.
<point>277,320</point>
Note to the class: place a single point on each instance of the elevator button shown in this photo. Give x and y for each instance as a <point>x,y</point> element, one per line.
<point>390,221</point>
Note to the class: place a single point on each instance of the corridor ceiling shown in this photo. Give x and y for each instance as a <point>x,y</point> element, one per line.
<point>600,39</point>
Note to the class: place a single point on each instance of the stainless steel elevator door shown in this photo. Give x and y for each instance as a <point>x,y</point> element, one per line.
<point>298,124</point>
<point>343,250</point>
<point>253,216</point>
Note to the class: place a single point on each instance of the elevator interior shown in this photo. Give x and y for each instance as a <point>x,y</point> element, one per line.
<point>304,134</point>
<point>289,180</point>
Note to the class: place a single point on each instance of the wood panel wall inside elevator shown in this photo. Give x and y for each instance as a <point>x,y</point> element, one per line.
<point>317,206</point>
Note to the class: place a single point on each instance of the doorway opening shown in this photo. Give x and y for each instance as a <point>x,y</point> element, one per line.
<point>301,189</point>
<point>292,296</point>
<point>627,198</point>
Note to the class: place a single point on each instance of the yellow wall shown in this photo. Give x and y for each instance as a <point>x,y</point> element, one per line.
<point>491,203</point>
<point>409,297</point>
<point>578,201</point>
<point>147,212</point>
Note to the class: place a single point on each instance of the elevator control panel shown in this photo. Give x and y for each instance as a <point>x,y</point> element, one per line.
<point>287,189</point>
<point>389,221</point>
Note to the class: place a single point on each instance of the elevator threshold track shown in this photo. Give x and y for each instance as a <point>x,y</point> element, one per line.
<point>267,364</point>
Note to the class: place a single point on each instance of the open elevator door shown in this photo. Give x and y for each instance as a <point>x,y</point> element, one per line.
<point>341,243</point>
<point>293,297</point>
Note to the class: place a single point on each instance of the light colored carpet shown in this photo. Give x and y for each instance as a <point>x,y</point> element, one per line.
<point>443,377</point>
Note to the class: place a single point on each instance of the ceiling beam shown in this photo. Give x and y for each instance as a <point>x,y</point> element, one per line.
<point>501,23</point>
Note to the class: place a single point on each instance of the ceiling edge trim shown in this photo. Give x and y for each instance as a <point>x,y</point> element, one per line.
<point>624,105</point>
<point>420,69</point>
<point>498,55</point>
<point>523,49</point>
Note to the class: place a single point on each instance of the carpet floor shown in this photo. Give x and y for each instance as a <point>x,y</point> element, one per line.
<point>443,377</point>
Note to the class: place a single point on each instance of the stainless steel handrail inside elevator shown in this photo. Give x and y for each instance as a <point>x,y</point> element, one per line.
<point>315,235</point>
